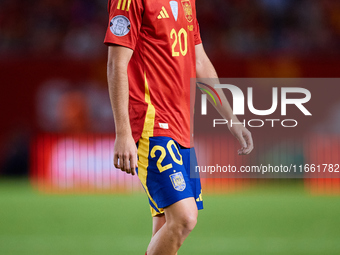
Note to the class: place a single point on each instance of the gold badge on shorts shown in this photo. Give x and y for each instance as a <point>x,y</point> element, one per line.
<point>178,181</point>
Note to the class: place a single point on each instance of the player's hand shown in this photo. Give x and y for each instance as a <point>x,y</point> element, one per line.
<point>125,154</point>
<point>243,135</point>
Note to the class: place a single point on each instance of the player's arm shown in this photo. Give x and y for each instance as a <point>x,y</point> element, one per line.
<point>205,69</point>
<point>125,150</point>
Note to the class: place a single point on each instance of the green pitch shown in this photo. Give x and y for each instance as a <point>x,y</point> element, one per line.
<point>273,219</point>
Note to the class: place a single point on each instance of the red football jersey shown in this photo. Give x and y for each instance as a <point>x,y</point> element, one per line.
<point>163,35</point>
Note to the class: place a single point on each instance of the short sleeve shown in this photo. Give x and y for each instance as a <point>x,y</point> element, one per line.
<point>197,35</point>
<point>125,19</point>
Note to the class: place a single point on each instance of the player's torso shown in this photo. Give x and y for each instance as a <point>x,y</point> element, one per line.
<point>165,58</point>
<point>170,21</point>
<point>166,44</point>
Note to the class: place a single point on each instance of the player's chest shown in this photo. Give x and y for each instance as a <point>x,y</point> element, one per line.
<point>168,14</point>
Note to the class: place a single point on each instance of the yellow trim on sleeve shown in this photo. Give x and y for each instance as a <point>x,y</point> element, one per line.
<point>123,6</point>
<point>128,5</point>
<point>119,3</point>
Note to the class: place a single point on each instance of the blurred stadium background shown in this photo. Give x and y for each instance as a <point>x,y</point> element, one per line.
<point>59,192</point>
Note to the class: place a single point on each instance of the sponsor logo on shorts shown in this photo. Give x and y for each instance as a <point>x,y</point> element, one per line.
<point>120,25</point>
<point>178,181</point>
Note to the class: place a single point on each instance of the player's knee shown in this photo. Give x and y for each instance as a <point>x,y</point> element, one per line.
<point>185,223</point>
<point>189,222</point>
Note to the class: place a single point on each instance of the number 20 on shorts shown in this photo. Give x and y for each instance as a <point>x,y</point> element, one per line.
<point>163,151</point>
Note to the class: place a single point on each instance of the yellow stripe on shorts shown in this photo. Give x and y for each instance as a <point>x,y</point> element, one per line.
<point>144,146</point>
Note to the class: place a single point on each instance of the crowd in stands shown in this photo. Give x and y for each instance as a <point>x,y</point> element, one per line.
<point>76,28</point>
<point>271,26</point>
<point>51,27</point>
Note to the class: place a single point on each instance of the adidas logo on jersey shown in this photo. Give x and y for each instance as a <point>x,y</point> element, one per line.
<point>163,14</point>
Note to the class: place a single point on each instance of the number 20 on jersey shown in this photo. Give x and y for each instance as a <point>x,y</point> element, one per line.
<point>180,42</point>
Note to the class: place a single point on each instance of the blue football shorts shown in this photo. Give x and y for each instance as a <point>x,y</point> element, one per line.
<point>164,171</point>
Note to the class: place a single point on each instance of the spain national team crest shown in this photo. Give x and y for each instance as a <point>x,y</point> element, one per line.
<point>187,10</point>
<point>178,181</point>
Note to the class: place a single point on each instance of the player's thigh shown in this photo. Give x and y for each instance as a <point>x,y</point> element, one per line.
<point>183,212</point>
<point>162,172</point>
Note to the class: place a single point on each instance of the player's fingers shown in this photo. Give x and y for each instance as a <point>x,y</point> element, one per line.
<point>133,163</point>
<point>241,140</point>
<point>116,161</point>
<point>249,140</point>
<point>121,163</point>
<point>126,163</point>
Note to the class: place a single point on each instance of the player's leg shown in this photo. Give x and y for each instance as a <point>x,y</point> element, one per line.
<point>181,218</point>
<point>166,180</point>
<point>157,222</point>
